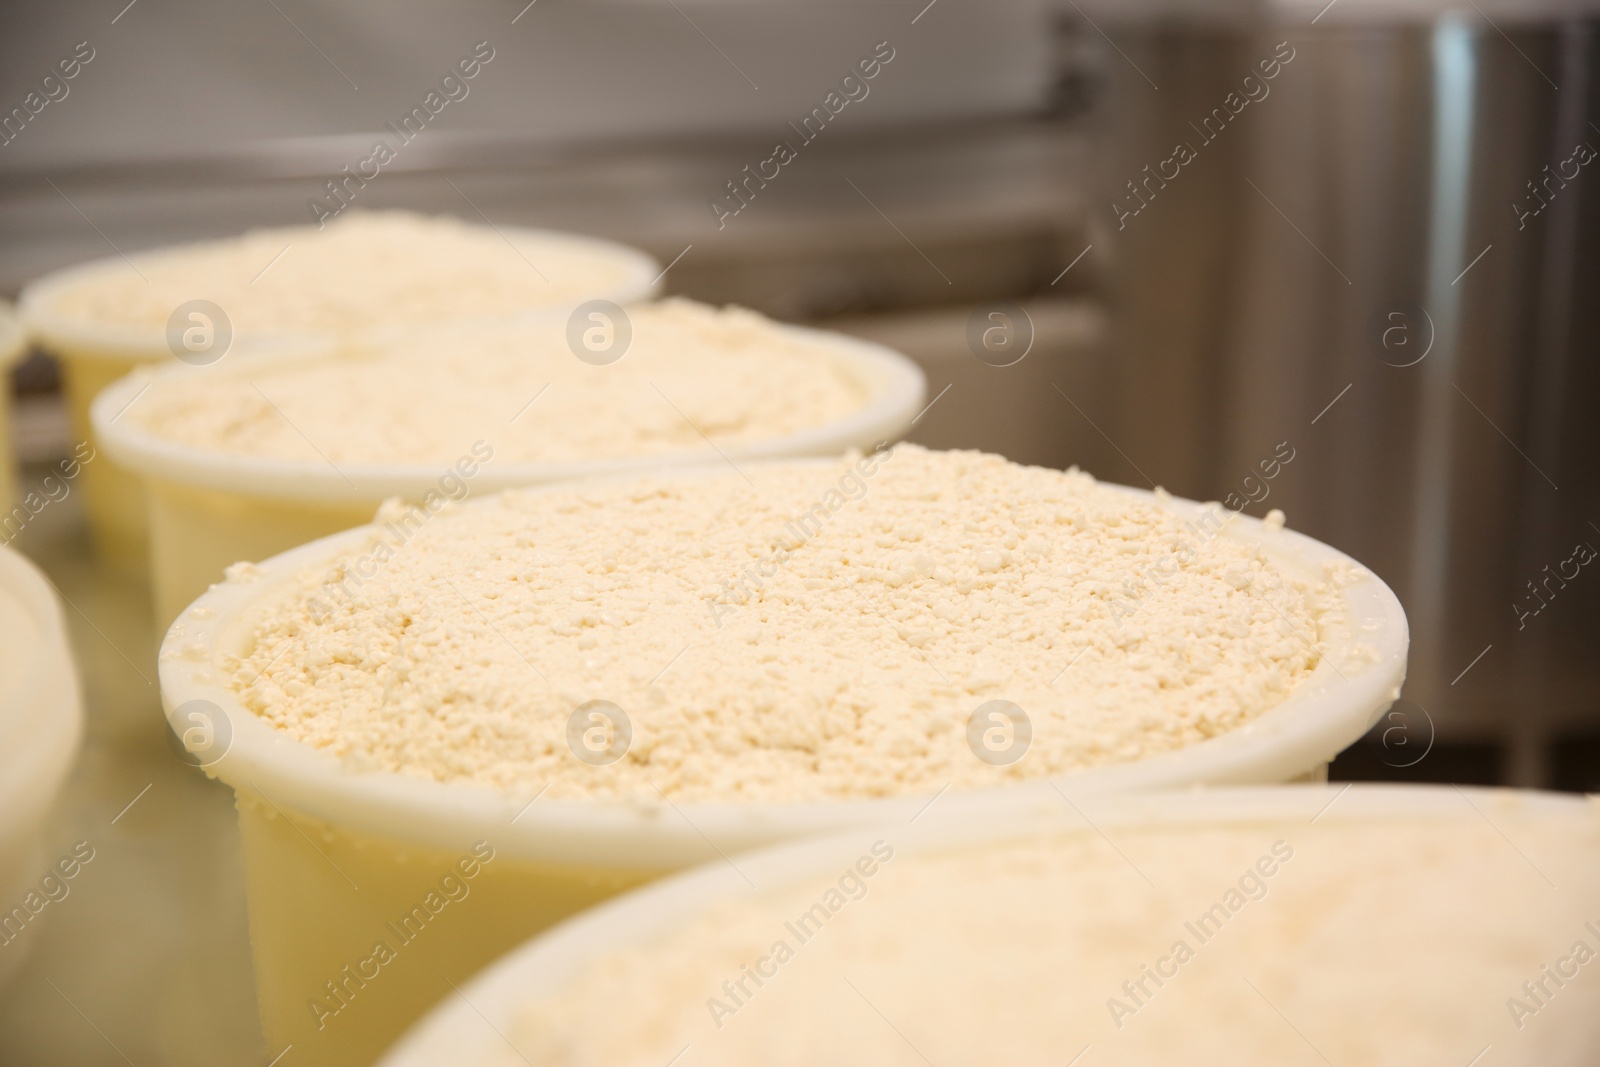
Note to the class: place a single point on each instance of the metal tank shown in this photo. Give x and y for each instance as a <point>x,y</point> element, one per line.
<point>1368,235</point>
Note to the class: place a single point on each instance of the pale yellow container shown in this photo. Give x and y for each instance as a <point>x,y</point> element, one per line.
<point>210,510</point>
<point>112,496</point>
<point>95,354</point>
<point>475,1024</point>
<point>334,855</point>
<point>13,343</point>
<point>41,725</point>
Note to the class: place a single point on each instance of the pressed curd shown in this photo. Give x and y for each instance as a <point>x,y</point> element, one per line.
<point>796,632</point>
<point>1377,941</point>
<point>362,271</point>
<point>691,374</point>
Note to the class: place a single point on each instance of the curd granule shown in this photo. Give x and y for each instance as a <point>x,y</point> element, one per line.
<point>1395,941</point>
<point>363,270</point>
<point>820,630</point>
<point>691,373</point>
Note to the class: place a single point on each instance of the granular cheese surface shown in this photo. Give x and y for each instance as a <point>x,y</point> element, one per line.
<point>692,374</point>
<point>1385,943</point>
<point>363,270</point>
<point>822,630</point>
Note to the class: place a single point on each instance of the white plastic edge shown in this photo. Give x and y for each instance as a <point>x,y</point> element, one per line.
<point>1323,716</point>
<point>41,711</point>
<point>455,1031</point>
<point>54,328</point>
<point>895,387</point>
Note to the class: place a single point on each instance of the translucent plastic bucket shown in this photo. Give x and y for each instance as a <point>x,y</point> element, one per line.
<point>94,354</point>
<point>13,343</point>
<point>210,510</point>
<point>334,855</point>
<point>1303,854</point>
<point>41,723</point>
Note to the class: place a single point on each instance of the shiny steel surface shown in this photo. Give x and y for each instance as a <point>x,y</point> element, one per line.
<point>1350,266</point>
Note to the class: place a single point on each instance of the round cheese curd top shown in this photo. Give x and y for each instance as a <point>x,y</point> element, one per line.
<point>361,271</point>
<point>869,626</point>
<point>1385,943</point>
<point>692,378</point>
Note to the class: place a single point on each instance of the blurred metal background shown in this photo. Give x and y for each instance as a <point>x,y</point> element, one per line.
<point>1361,237</point>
